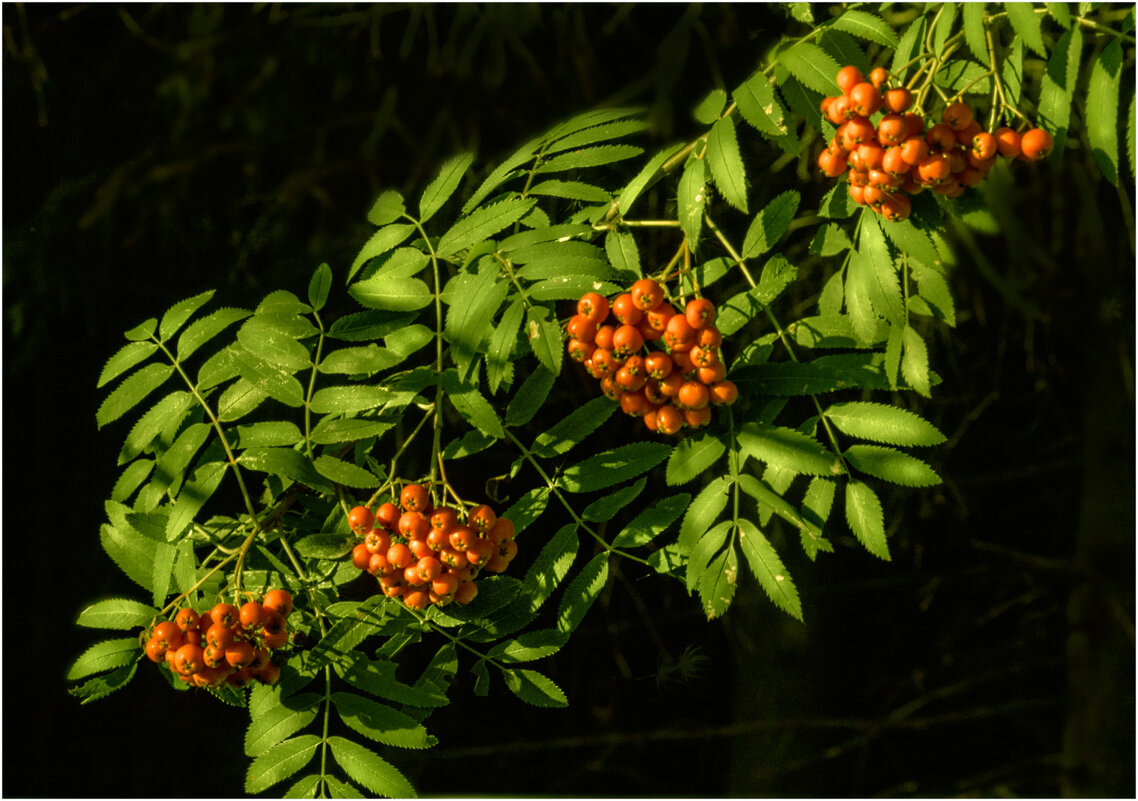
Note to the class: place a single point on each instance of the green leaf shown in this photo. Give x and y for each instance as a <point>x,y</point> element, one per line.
<point>370,770</point>
<point>473,407</point>
<point>319,286</point>
<point>777,275</point>
<point>267,342</point>
<point>620,247</point>
<point>628,195</point>
<point>1102,109</point>
<point>482,224</point>
<point>544,335</point>
<point>153,421</point>
<point>130,550</point>
<point>969,71</point>
<point>105,655</point>
<point>131,391</point>
<point>534,688</point>
<point>829,240</point>
<point>104,684</point>
<point>816,506</point>
<point>529,397</point>
<point>1027,25</point>
<point>787,449</point>
<point>837,204</point>
<point>328,432</point>
<point>345,473</point>
<point>573,428</point>
<point>571,190</point>
<point>704,551</point>
<point>726,163</point>
<point>349,399</point>
<point>867,521</point>
<point>116,613</point>
<point>973,24</point>
<point>1057,92</point>
<point>913,243</point>
<point>378,678</point>
<point>691,196</point>
<point>768,569</point>
<point>177,315</point>
<point>380,242</point>
<point>202,484</point>
<point>365,360</point>
<point>340,789</point>
<point>692,456</point>
<point>605,508</point>
<point>380,722</point>
<point>388,208</point>
<point>943,25</point>
<point>703,512</point>
<point>712,105</point>
<point>581,592</point>
<point>845,50</point>
<point>614,466</point>
<point>717,583</point>
<point>127,357</point>
<point>1130,120</point>
<point>529,647</point>
<point>903,56</point>
<point>550,567</point>
<point>351,628</point>
<point>770,500</point>
<point>265,379</point>
<point>481,294</point>
<point>596,133</point>
<point>866,26</point>
<point>893,348</point>
<point>286,463</point>
<point>770,224</point>
<point>368,325</point>
<point>305,787</point>
<point>760,107</point>
<point>811,65</point>
<point>131,479</point>
<point>278,719</point>
<point>499,364</point>
<point>206,328</point>
<point>325,546</point>
<point>652,521</point>
<point>803,12</point>
<point>444,185</point>
<point>915,361</point>
<point>142,330</point>
<point>1060,13</point>
<point>934,290</point>
<point>283,761</point>
<point>882,423</point>
<point>391,293</point>
<point>874,260</point>
<point>833,331</point>
<point>891,465</point>
<point>823,374</point>
<point>586,157</point>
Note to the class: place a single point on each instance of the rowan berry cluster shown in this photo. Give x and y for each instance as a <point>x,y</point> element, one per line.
<point>427,555</point>
<point>225,644</point>
<point>662,365</point>
<point>896,156</point>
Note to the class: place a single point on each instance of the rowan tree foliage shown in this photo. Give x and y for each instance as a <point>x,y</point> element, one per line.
<point>454,378</point>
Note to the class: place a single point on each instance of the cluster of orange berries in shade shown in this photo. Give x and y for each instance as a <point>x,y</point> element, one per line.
<point>426,555</point>
<point>897,157</point>
<point>226,644</point>
<point>661,364</point>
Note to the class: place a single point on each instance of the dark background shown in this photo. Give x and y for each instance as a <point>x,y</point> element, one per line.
<point>152,152</point>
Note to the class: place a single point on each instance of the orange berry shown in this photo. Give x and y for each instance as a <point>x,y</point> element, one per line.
<point>1008,142</point>
<point>865,99</point>
<point>646,294</point>
<point>626,310</point>
<point>693,395</point>
<point>699,312</point>
<point>1036,144</point>
<point>898,100</point>
<point>879,76</point>
<point>958,115</point>
<point>724,393</point>
<point>849,77</point>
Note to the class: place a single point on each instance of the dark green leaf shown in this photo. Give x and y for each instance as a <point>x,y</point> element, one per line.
<point>770,224</point>
<point>328,432</point>
<point>907,48</point>
<point>586,157</point>
<point>348,399</point>
<point>275,720</point>
<point>377,677</point>
<point>534,688</point>
<point>703,552</point>
<point>571,429</point>
<point>692,456</point>
<point>529,647</point>
<point>771,501</point>
<point>471,404</point>
<point>530,397</point>
<point>582,592</point>
<point>652,521</point>
<point>544,335</point>
<point>703,512</point>
<point>787,449</point>
<point>502,173</point>
<point>628,195</point>
<point>571,190</point>
<point>550,567</point>
<point>1057,93</point>
<point>614,466</point>
<point>286,463</point>
<point>319,286</point>
<point>605,508</point>
<point>345,473</point>
<point>202,484</point>
<point>481,294</point>
<point>499,364</point>
<point>691,196</point>
<point>380,722</point>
